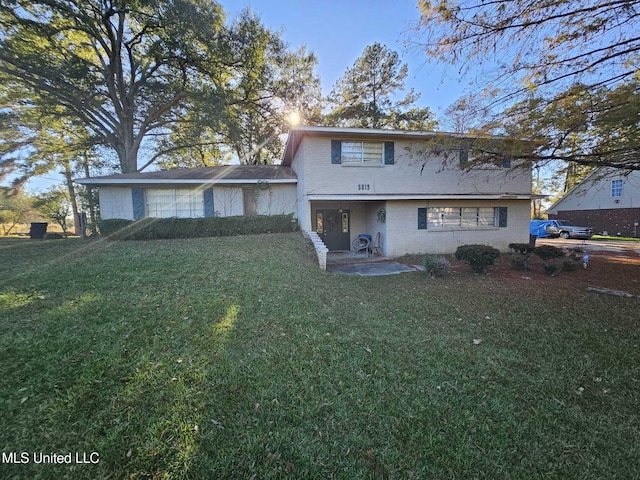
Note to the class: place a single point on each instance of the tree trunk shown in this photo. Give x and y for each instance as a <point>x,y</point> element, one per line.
<point>93,214</point>
<point>68,175</point>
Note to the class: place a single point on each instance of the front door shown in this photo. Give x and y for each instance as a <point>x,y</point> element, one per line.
<point>333,228</point>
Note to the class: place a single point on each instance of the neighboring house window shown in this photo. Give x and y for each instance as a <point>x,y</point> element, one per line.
<point>444,217</point>
<point>178,202</point>
<point>362,153</point>
<point>616,188</point>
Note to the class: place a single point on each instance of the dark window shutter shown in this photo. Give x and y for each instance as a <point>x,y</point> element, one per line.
<point>422,219</point>
<point>389,153</point>
<point>137,197</point>
<point>464,156</point>
<point>502,216</point>
<point>208,202</point>
<point>336,152</point>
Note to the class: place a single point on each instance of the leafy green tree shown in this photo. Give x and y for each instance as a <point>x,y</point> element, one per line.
<point>155,80</point>
<point>567,71</point>
<point>55,205</point>
<point>272,82</point>
<point>15,208</point>
<point>367,95</point>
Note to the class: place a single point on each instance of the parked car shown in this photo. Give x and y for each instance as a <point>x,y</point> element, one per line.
<point>567,229</point>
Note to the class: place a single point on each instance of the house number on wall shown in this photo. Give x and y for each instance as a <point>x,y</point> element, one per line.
<point>363,186</point>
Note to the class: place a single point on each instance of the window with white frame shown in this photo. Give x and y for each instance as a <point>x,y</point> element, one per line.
<point>363,153</point>
<point>174,202</point>
<point>461,217</point>
<point>616,188</point>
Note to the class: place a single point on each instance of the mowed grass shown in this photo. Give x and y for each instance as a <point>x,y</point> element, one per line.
<point>229,358</point>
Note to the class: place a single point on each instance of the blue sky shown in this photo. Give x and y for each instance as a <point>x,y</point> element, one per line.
<point>338,31</point>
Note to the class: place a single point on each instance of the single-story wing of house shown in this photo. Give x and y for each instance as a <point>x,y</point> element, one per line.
<point>343,182</point>
<point>607,199</point>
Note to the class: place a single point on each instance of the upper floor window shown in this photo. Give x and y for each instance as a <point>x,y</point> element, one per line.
<point>362,153</point>
<point>616,188</point>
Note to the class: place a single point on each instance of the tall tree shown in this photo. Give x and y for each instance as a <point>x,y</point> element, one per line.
<point>272,82</point>
<point>550,56</point>
<point>151,78</point>
<point>130,70</point>
<point>368,94</point>
<point>467,114</point>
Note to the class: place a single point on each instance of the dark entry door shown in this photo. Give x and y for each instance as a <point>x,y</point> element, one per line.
<point>333,228</point>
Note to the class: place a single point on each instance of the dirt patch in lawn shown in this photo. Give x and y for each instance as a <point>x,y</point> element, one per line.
<point>607,270</point>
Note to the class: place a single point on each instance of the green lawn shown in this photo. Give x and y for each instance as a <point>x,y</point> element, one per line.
<point>229,358</point>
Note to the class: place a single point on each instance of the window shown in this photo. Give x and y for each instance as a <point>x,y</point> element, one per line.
<point>362,153</point>
<point>180,203</point>
<point>616,188</point>
<point>469,217</point>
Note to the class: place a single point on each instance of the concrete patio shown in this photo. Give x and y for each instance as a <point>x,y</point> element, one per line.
<point>348,264</point>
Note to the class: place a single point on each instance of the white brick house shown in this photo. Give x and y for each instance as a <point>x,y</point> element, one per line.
<point>342,182</point>
<point>346,176</point>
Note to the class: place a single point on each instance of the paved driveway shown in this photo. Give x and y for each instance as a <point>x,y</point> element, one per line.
<point>618,246</point>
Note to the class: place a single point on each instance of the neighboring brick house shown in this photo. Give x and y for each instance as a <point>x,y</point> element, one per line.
<point>607,200</point>
<point>342,182</point>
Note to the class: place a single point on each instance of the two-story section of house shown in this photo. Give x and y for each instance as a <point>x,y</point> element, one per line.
<point>410,187</point>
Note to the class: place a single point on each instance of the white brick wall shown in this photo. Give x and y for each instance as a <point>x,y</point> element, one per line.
<point>405,176</point>
<point>276,200</point>
<point>404,237</point>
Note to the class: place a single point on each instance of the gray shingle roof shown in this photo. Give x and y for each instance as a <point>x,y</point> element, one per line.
<point>222,174</point>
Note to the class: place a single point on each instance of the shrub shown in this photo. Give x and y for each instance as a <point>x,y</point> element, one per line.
<point>520,262</point>
<point>573,260</point>
<point>112,225</point>
<point>521,248</point>
<point>479,257</point>
<point>436,266</point>
<point>165,228</point>
<point>521,254</point>
<point>548,252</point>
